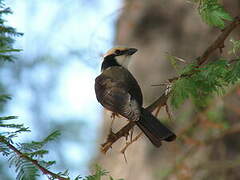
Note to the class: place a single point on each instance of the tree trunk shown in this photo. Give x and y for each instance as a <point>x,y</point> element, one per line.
<point>156,28</point>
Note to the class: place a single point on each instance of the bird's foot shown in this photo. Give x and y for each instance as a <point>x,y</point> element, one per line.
<point>131,134</point>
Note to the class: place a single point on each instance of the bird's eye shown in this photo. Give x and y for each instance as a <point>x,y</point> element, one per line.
<point>117,52</point>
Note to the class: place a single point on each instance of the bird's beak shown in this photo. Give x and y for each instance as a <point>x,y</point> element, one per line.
<point>131,51</point>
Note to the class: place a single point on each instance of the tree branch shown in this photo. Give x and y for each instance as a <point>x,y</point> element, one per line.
<point>162,100</point>
<point>219,42</point>
<point>113,137</point>
<point>33,161</point>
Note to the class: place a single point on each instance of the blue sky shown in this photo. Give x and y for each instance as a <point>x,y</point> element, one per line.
<point>74,33</point>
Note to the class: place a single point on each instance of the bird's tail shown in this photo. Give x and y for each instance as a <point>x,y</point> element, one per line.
<point>154,129</point>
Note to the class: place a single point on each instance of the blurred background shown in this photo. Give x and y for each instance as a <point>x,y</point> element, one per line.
<point>52,83</point>
<point>52,79</point>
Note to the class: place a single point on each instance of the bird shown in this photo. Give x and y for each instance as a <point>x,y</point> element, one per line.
<point>118,91</point>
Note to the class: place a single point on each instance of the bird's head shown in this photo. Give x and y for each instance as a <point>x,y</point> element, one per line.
<point>119,55</point>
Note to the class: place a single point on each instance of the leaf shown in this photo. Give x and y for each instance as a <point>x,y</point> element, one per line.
<point>213,13</point>
<point>26,170</point>
<point>98,174</point>
<point>235,47</point>
<point>4,97</point>
<point>233,75</point>
<point>111,178</point>
<point>8,118</point>
<point>205,82</point>
<point>10,50</point>
<point>180,91</point>
<point>52,136</point>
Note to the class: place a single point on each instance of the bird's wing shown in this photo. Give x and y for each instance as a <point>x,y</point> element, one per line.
<point>115,97</point>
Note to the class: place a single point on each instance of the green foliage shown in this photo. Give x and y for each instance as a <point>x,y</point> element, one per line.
<point>35,147</point>
<point>99,173</point>
<point>10,130</point>
<point>4,97</point>
<point>25,169</point>
<point>233,75</point>
<point>174,61</point>
<point>213,13</point>
<point>235,48</point>
<point>7,35</point>
<point>201,84</point>
<point>20,155</point>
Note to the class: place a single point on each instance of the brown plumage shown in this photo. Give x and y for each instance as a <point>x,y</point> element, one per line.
<point>118,91</point>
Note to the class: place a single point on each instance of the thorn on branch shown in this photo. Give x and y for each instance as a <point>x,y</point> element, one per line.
<point>219,42</point>
<point>131,142</point>
<point>221,48</point>
<point>168,112</point>
<point>157,111</point>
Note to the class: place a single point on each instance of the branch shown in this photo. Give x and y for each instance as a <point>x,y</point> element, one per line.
<point>113,137</point>
<point>129,143</point>
<point>33,161</point>
<point>219,42</point>
<point>233,130</point>
<point>162,100</point>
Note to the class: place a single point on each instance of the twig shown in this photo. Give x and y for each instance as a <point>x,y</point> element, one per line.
<point>161,84</point>
<point>194,148</point>
<point>157,111</point>
<point>113,137</point>
<point>234,60</point>
<point>33,161</point>
<point>188,153</point>
<point>162,100</point>
<point>129,143</point>
<point>220,165</point>
<point>234,129</point>
<point>168,112</point>
<point>219,42</point>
